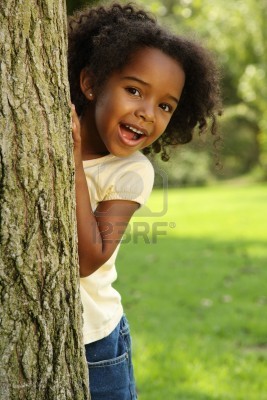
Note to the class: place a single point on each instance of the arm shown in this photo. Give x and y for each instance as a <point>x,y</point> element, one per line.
<point>99,233</point>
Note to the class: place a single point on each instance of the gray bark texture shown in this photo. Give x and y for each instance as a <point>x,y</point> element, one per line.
<point>41,350</point>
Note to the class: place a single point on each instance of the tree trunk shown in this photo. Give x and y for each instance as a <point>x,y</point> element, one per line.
<point>41,350</point>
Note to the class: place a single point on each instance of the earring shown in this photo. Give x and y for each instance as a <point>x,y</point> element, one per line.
<point>90,95</point>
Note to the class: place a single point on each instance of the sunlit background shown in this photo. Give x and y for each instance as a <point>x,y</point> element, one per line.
<point>236,32</point>
<point>194,278</point>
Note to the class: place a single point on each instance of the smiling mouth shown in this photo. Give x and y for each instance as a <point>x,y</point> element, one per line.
<point>131,133</point>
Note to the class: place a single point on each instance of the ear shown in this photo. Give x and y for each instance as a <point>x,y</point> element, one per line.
<point>86,84</point>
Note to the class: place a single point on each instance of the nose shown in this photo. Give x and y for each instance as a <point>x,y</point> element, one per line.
<point>146,112</point>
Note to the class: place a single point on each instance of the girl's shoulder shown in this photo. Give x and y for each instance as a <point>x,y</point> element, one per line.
<point>129,178</point>
<point>113,165</point>
<point>136,163</point>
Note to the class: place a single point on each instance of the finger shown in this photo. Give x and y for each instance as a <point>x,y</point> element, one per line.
<point>73,111</point>
<point>74,117</point>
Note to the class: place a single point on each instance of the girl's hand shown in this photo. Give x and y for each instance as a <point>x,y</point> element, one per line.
<point>76,128</point>
<point>76,135</point>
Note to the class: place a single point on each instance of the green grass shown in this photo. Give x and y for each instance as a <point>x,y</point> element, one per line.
<point>196,296</point>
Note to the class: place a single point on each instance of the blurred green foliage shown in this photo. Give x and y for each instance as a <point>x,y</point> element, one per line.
<point>236,33</point>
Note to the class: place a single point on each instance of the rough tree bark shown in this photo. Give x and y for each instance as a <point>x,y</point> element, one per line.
<point>41,352</point>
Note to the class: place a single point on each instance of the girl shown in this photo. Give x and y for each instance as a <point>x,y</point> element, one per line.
<point>135,87</point>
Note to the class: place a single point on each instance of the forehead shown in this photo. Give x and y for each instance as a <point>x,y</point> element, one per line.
<point>154,66</point>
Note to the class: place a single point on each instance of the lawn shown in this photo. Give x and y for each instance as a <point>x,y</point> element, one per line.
<point>194,287</point>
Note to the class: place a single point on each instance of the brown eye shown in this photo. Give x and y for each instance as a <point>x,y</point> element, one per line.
<point>166,107</point>
<point>133,91</point>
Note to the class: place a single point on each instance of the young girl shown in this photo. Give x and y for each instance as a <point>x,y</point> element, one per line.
<point>135,87</point>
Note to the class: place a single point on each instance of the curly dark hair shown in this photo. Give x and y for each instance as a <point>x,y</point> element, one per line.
<point>103,39</point>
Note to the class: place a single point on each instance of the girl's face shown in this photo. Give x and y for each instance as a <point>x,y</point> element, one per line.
<point>137,102</point>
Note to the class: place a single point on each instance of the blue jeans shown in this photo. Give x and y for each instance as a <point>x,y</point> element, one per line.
<point>110,365</point>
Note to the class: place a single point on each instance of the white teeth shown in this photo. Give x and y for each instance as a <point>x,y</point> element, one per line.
<point>134,130</point>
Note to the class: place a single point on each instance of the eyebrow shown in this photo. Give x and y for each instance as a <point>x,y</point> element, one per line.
<point>134,78</point>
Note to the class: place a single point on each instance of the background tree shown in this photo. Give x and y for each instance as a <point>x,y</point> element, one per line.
<point>41,348</point>
<point>236,32</point>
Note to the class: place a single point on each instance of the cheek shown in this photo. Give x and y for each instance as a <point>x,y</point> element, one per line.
<point>103,110</point>
<point>108,109</point>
